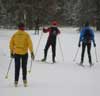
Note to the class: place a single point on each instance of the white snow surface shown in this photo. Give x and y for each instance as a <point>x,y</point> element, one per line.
<point>64,78</point>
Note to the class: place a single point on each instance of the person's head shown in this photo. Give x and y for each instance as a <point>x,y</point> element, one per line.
<point>54,23</point>
<point>87,24</point>
<point>21,26</point>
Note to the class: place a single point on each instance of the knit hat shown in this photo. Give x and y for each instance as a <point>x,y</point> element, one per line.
<point>20,25</point>
<point>87,24</point>
<point>54,23</point>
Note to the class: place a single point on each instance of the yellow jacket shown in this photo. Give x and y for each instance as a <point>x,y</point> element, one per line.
<point>20,43</point>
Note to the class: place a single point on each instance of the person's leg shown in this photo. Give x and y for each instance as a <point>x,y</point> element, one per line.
<point>89,52</point>
<point>17,68</point>
<point>83,51</point>
<point>24,68</point>
<point>35,30</point>
<point>53,52</point>
<point>46,50</point>
<point>38,30</point>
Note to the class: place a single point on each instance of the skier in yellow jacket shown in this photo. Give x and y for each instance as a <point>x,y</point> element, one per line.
<point>19,44</point>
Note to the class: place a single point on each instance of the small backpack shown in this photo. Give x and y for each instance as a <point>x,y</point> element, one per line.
<point>87,36</point>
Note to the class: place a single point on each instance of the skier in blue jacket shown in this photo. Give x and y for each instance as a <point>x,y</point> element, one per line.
<point>86,36</point>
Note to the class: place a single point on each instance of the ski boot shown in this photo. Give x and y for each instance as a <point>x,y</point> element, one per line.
<point>81,64</point>
<point>91,64</point>
<point>16,83</point>
<point>25,83</point>
<point>53,61</point>
<point>43,60</point>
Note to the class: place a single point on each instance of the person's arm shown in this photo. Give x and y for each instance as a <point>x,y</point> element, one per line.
<point>46,30</point>
<point>11,46</point>
<point>92,37</point>
<point>58,32</point>
<point>81,37</point>
<point>30,46</point>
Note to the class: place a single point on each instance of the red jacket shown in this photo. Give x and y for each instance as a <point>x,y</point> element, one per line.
<point>53,32</point>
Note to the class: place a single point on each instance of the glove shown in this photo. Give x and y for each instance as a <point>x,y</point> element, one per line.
<point>44,29</point>
<point>32,56</point>
<point>12,55</point>
<point>94,45</point>
<point>79,45</point>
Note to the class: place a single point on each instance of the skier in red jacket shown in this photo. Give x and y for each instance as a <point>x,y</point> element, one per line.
<point>53,32</point>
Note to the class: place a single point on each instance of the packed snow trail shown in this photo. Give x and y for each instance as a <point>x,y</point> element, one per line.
<point>64,78</point>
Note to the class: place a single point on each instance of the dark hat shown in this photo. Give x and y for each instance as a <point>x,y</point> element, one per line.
<point>87,24</point>
<point>20,25</point>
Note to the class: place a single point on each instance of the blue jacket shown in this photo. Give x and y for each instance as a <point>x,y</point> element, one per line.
<point>82,34</point>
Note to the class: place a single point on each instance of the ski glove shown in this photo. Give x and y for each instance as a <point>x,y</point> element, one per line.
<point>79,44</point>
<point>94,45</point>
<point>44,30</point>
<point>32,56</point>
<point>12,55</point>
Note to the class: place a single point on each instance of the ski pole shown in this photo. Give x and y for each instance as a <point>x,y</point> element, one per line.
<point>30,67</point>
<point>38,45</point>
<point>76,54</point>
<point>96,55</point>
<point>8,68</point>
<point>35,53</point>
<point>61,49</point>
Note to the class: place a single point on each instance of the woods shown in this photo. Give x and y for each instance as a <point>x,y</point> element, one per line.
<point>66,12</point>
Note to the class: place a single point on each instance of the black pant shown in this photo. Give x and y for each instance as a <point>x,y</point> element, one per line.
<point>88,51</point>
<point>21,59</point>
<point>53,45</point>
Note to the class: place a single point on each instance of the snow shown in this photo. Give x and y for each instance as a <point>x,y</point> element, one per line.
<point>64,78</point>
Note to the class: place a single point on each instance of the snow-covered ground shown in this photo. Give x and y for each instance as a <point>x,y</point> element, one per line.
<point>65,78</point>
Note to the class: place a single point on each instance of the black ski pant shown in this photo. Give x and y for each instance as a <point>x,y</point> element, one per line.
<point>21,60</point>
<point>53,45</point>
<point>88,51</point>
